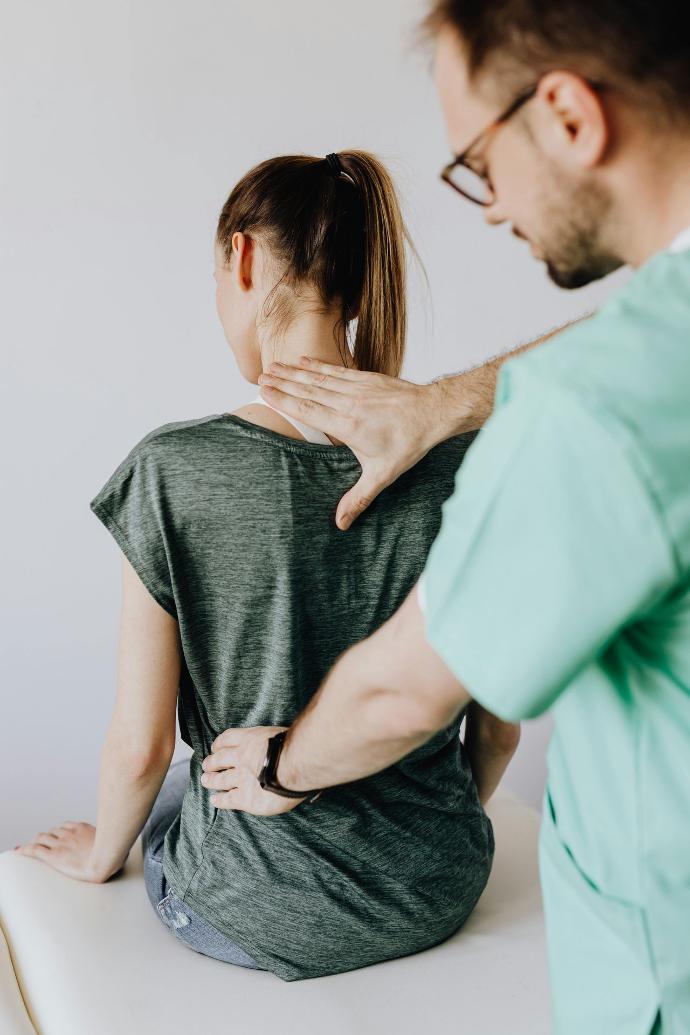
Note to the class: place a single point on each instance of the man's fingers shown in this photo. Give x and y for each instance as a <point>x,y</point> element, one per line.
<point>358,498</point>
<point>296,381</point>
<point>228,738</point>
<point>225,780</point>
<point>308,367</point>
<point>223,758</point>
<point>312,395</point>
<point>310,411</point>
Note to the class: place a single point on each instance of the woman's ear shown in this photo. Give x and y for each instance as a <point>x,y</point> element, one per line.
<point>243,256</point>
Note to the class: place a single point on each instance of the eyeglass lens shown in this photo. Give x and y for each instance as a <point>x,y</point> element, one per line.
<point>470,183</point>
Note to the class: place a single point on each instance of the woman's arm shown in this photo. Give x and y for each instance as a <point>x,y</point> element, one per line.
<point>141,737</point>
<point>138,747</point>
<point>490,744</point>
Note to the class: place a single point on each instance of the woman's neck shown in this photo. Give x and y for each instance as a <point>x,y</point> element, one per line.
<point>316,335</point>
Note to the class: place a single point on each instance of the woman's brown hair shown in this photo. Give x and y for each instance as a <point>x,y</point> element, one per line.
<point>342,234</point>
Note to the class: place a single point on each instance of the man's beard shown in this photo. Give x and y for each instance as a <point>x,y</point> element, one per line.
<point>574,254</point>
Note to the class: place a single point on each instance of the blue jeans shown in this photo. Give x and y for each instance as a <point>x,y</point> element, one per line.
<point>178,917</point>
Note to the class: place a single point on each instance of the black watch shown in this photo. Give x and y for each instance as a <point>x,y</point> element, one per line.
<point>267,777</point>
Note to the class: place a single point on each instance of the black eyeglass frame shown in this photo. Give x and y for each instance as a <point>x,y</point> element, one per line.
<point>461,159</point>
<point>514,106</point>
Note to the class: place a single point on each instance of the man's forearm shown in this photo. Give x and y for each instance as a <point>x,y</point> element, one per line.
<point>466,400</point>
<point>490,744</point>
<point>349,730</point>
<point>376,705</point>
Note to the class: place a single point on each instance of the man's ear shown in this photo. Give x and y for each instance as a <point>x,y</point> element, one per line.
<point>243,254</point>
<point>576,127</point>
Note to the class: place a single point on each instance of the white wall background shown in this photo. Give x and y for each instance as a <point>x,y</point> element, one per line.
<point>124,126</point>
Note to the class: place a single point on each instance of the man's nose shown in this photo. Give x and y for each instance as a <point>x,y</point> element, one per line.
<point>493,213</point>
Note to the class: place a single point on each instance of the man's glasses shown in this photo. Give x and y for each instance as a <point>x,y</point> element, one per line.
<point>472,183</point>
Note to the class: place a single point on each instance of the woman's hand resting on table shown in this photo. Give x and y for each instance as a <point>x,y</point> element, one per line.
<point>67,848</point>
<point>232,772</point>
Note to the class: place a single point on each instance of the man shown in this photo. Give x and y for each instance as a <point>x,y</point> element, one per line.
<point>561,574</point>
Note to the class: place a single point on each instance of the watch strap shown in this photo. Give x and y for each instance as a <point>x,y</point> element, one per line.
<point>267,776</point>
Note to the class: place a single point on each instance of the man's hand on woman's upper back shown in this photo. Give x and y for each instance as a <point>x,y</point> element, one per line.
<point>389,424</point>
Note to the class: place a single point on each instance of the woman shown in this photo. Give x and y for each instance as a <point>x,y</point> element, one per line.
<point>240,592</point>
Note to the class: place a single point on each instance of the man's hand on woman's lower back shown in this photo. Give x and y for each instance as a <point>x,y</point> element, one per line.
<point>388,423</point>
<point>231,772</point>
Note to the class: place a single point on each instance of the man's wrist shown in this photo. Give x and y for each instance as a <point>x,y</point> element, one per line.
<point>282,779</point>
<point>282,772</point>
<point>448,408</point>
<point>432,425</point>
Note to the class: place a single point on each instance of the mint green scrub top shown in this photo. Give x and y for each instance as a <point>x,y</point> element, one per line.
<point>560,578</point>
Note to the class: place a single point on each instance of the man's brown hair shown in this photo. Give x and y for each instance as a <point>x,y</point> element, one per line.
<point>640,47</point>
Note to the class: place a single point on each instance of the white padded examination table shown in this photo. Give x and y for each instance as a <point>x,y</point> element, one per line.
<point>81,959</point>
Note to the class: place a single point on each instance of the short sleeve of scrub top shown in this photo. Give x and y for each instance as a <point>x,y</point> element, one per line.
<point>132,505</point>
<point>549,545</point>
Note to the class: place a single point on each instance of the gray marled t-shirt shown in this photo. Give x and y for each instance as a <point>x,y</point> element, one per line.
<point>231,527</point>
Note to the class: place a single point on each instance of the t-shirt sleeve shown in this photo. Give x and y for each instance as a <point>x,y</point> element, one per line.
<point>133,506</point>
<point>550,544</point>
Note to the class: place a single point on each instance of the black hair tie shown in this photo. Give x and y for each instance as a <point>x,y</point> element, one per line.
<point>335,166</point>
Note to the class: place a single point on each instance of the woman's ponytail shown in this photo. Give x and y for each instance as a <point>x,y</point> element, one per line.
<point>382,314</point>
